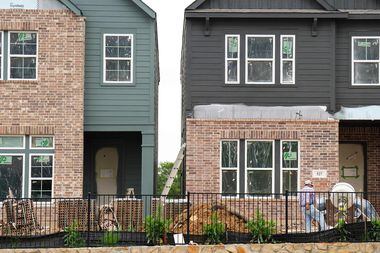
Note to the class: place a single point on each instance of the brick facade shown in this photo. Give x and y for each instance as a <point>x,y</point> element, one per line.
<point>370,136</point>
<point>54,103</point>
<point>319,148</point>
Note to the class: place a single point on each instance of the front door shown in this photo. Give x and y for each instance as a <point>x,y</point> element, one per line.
<point>352,165</point>
<point>106,170</point>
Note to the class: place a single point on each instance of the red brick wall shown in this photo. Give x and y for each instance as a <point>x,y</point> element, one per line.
<point>54,103</point>
<point>319,147</point>
<point>371,137</point>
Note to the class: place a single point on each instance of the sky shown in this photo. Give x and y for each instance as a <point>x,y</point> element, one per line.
<point>170,23</point>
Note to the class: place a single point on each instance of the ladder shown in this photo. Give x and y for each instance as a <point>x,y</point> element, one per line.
<point>174,171</point>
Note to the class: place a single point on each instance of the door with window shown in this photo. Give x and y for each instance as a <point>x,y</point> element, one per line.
<point>352,165</point>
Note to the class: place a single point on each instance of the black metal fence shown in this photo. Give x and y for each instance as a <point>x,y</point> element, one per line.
<point>105,220</point>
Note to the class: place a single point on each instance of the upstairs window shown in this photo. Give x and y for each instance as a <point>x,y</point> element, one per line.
<point>287,59</point>
<point>22,56</point>
<point>365,60</point>
<point>260,59</point>
<point>232,59</point>
<point>118,58</point>
<point>1,55</point>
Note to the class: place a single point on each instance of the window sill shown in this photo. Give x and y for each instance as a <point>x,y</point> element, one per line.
<point>19,81</point>
<point>375,86</point>
<point>260,85</point>
<point>116,85</point>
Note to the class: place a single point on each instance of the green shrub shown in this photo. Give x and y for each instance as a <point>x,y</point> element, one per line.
<point>374,231</point>
<point>260,229</point>
<point>111,238</point>
<point>342,230</point>
<point>72,237</point>
<point>156,228</point>
<point>215,231</point>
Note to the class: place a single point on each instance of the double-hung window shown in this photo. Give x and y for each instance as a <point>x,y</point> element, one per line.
<point>1,54</point>
<point>232,59</point>
<point>290,166</point>
<point>22,62</point>
<point>288,59</point>
<point>365,60</point>
<point>260,59</point>
<point>229,167</point>
<point>118,58</point>
<point>259,166</point>
<point>41,176</point>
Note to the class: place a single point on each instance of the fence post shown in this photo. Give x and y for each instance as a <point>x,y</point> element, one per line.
<point>188,218</point>
<point>88,218</point>
<point>286,212</point>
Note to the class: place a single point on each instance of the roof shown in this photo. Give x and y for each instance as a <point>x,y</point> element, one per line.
<point>71,6</point>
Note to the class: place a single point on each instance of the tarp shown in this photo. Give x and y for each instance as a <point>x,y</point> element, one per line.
<point>359,113</point>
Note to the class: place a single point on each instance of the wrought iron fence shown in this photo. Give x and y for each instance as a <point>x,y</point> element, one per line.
<point>108,220</point>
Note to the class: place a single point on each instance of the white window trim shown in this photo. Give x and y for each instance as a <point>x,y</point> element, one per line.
<point>118,58</point>
<point>259,169</point>
<point>273,59</point>
<point>23,169</point>
<point>293,60</point>
<point>229,169</point>
<point>232,59</point>
<point>2,56</point>
<point>13,148</point>
<point>40,178</point>
<point>42,148</point>
<point>22,56</point>
<point>353,61</point>
<point>292,169</point>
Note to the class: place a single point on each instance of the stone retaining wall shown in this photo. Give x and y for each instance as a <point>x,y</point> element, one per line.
<point>253,248</point>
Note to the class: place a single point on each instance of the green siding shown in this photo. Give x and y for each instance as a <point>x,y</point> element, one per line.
<point>119,105</point>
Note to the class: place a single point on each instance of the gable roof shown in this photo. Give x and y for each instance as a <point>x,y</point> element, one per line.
<point>71,6</point>
<point>322,3</point>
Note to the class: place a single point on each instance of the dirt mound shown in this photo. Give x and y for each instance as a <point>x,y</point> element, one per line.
<point>200,215</point>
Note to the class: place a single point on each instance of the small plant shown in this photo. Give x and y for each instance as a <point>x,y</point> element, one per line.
<point>111,238</point>
<point>215,231</point>
<point>72,237</point>
<point>156,228</point>
<point>261,229</point>
<point>374,232</point>
<point>342,230</point>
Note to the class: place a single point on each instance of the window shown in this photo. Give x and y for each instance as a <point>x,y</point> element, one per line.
<point>260,55</point>
<point>11,175</point>
<point>1,55</point>
<point>12,142</point>
<point>365,60</point>
<point>42,142</point>
<point>22,55</point>
<point>290,166</point>
<point>118,58</point>
<point>229,167</point>
<point>288,59</point>
<point>41,176</point>
<point>260,166</point>
<point>232,57</point>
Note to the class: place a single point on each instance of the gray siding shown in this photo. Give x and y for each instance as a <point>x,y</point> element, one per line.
<point>348,95</point>
<point>204,69</point>
<point>355,4</point>
<point>118,106</point>
<point>260,4</point>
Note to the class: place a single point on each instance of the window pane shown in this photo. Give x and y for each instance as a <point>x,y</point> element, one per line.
<point>11,142</point>
<point>42,161</point>
<point>366,49</point>
<point>229,154</point>
<point>287,47</point>
<point>259,154</point>
<point>112,51</point>
<point>289,180</point>
<point>30,49</point>
<point>125,41</point>
<point>29,73</point>
<point>23,43</point>
<point>232,47</point>
<point>229,182</point>
<point>260,47</point>
<point>42,142</point>
<point>29,62</point>
<point>112,75</point>
<point>11,175</point>
<point>16,73</point>
<point>1,44</point>
<point>366,73</point>
<point>232,70</point>
<point>260,71</point>
<point>112,41</point>
<point>125,76</point>
<point>259,181</point>
<point>17,49</point>
<point>125,65</point>
<point>112,65</point>
<point>125,52</point>
<point>287,71</point>
<point>290,154</point>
